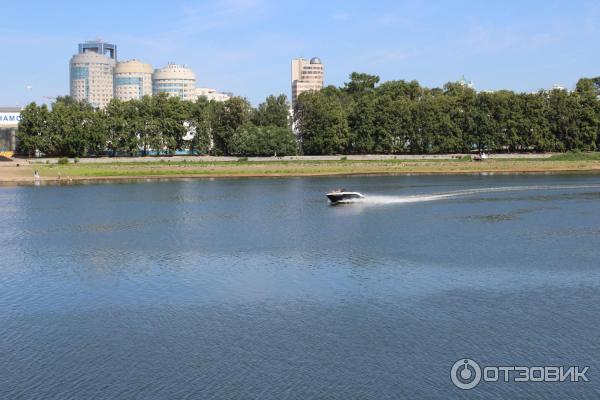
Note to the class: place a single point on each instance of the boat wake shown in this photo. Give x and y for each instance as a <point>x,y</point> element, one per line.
<point>419,198</point>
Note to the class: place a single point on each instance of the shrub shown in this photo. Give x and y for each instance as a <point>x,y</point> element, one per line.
<point>63,161</point>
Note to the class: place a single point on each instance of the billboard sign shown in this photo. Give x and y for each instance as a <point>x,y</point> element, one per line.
<point>9,118</point>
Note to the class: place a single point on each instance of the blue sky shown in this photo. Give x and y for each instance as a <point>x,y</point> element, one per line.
<point>245,46</point>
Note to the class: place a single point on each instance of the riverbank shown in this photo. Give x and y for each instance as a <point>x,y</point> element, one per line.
<point>205,167</point>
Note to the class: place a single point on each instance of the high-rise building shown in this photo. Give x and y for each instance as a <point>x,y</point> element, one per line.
<point>175,80</point>
<point>91,76</point>
<point>306,75</point>
<point>132,80</point>
<point>96,77</point>
<point>99,47</point>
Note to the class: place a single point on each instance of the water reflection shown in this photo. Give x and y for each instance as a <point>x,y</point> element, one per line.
<point>259,289</point>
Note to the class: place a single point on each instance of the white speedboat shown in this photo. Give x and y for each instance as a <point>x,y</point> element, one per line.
<point>342,196</point>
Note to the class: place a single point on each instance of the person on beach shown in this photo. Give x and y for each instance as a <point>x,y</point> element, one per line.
<point>36,178</point>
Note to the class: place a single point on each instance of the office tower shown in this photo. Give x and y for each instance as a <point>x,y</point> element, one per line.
<point>175,80</point>
<point>91,78</point>
<point>306,75</point>
<point>132,80</point>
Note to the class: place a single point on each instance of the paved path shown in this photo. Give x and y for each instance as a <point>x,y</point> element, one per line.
<point>366,157</point>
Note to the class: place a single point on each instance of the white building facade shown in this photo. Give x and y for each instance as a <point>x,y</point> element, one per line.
<point>211,94</point>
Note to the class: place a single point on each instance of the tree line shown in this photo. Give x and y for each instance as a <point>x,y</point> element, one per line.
<point>157,125</point>
<point>395,117</point>
<point>361,117</point>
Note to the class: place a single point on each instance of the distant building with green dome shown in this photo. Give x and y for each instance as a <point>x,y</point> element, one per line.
<point>466,83</point>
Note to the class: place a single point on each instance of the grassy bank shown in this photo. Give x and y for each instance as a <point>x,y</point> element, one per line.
<point>575,156</point>
<point>559,163</point>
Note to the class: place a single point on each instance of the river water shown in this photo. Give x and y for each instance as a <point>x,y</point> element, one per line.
<point>258,289</point>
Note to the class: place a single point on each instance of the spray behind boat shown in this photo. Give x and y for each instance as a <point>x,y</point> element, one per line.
<point>341,196</point>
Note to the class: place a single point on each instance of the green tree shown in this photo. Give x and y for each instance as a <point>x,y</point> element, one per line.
<point>200,126</point>
<point>322,124</point>
<point>274,111</point>
<point>227,118</point>
<point>71,129</point>
<point>378,124</point>
<point>573,120</point>
<point>33,132</point>
<point>173,117</point>
<point>363,116</point>
<point>361,123</point>
<point>589,88</point>
<point>122,123</point>
<point>401,89</point>
<point>278,141</point>
<point>361,83</point>
<point>252,140</point>
<point>95,132</point>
